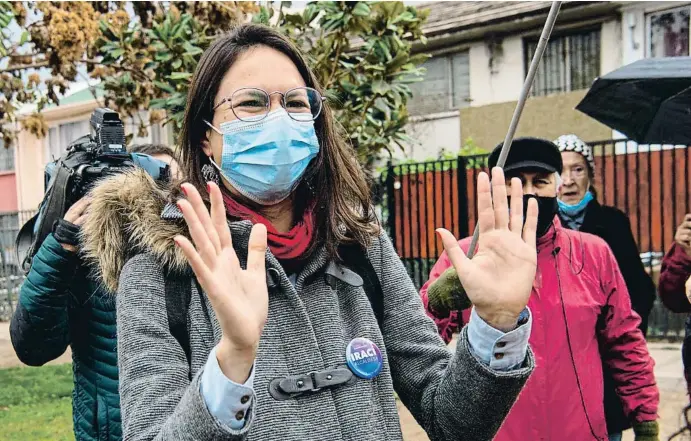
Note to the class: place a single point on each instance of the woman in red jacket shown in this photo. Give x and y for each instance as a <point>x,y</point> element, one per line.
<point>676,269</point>
<point>581,316</point>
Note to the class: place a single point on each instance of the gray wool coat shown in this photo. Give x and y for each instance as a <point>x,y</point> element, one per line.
<point>452,396</point>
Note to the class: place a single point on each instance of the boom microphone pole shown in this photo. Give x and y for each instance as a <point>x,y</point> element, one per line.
<point>527,85</point>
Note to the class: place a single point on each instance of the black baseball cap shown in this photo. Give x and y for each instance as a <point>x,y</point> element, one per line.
<point>529,154</point>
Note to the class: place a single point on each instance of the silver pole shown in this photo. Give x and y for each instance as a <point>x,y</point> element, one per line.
<point>527,85</point>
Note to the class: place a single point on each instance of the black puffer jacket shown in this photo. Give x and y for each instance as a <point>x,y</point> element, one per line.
<point>612,225</point>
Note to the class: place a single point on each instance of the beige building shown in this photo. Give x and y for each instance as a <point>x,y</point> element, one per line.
<point>480,56</point>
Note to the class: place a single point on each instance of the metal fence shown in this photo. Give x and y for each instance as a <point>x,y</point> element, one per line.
<point>649,183</point>
<point>11,275</point>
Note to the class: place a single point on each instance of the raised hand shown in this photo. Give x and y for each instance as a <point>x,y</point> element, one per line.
<point>499,278</point>
<point>239,296</point>
<point>683,234</point>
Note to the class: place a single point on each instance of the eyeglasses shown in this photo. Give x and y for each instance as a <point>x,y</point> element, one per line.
<point>252,104</point>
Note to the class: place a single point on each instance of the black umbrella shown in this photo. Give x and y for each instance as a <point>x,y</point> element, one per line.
<point>648,100</point>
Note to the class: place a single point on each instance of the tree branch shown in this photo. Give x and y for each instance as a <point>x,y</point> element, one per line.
<point>137,73</point>
<point>25,66</point>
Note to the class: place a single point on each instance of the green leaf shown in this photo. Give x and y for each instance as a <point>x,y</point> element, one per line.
<point>164,56</point>
<point>24,38</point>
<point>117,53</point>
<point>176,64</point>
<point>380,87</point>
<point>180,75</point>
<point>419,59</point>
<point>362,9</point>
<point>158,103</point>
<point>190,49</point>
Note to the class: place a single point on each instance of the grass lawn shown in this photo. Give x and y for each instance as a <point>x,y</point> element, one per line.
<point>36,403</point>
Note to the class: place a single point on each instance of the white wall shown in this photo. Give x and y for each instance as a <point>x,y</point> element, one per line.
<point>611,46</point>
<point>503,81</point>
<point>441,131</point>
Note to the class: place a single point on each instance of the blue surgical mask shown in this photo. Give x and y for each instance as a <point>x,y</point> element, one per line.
<point>266,160</point>
<point>574,210</point>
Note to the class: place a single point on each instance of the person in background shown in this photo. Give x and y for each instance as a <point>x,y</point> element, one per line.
<point>162,153</point>
<point>61,304</point>
<point>582,315</point>
<point>579,210</point>
<point>286,342</point>
<point>674,286</point>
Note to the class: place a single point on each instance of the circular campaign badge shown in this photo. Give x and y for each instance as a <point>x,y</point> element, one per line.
<point>364,358</point>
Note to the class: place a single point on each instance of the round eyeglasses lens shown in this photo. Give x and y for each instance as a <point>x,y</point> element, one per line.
<point>303,103</point>
<point>250,104</point>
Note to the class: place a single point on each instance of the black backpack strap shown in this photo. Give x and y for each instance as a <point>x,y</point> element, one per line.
<point>355,258</point>
<point>55,206</point>
<point>178,292</point>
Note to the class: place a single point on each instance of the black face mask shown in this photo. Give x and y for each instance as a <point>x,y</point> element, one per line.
<point>547,209</point>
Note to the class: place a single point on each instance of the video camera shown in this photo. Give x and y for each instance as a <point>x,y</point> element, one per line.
<point>88,159</point>
<point>93,156</point>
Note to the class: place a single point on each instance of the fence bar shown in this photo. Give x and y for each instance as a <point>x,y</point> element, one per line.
<point>650,207</point>
<point>421,226</point>
<point>434,211</point>
<point>639,233</point>
<point>391,203</point>
<point>674,189</point>
<point>462,197</point>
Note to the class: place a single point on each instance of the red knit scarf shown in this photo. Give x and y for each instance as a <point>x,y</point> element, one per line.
<point>289,246</point>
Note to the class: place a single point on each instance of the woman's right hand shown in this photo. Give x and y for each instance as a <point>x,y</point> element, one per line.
<point>239,297</point>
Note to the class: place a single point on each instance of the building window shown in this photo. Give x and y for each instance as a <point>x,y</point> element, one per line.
<point>60,137</point>
<point>155,135</point>
<point>570,62</point>
<point>6,158</point>
<point>446,85</point>
<point>668,33</point>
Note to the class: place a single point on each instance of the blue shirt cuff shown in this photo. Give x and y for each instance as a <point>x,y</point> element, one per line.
<point>226,400</point>
<point>496,349</point>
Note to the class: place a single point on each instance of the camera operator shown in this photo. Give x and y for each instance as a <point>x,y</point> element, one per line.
<point>61,304</point>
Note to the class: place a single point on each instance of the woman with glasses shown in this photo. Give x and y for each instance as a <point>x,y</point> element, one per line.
<point>580,210</point>
<point>261,300</point>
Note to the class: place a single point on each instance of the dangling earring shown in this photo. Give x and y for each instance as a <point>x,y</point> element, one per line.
<point>209,173</point>
<point>311,189</point>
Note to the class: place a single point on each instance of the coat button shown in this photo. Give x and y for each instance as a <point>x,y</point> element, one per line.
<point>501,344</point>
<point>498,355</point>
<point>300,383</point>
<point>240,415</point>
<point>245,399</point>
<point>329,377</point>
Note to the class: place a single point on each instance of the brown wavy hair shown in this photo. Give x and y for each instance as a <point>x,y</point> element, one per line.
<point>334,183</point>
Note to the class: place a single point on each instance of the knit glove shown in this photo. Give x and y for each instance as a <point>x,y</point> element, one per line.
<point>646,431</point>
<point>446,294</point>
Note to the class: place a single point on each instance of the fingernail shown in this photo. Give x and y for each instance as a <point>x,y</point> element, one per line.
<point>208,188</point>
<point>184,190</point>
<point>178,205</point>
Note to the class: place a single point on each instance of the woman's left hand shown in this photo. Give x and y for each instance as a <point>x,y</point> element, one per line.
<point>499,277</point>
